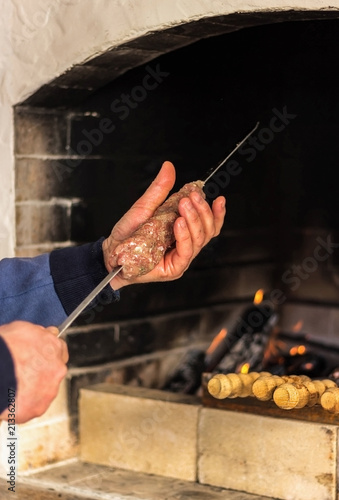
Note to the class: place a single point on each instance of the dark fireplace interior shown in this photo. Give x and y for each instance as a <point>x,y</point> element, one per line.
<point>84,154</point>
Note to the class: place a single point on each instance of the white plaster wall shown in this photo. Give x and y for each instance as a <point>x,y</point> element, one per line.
<point>6,138</point>
<point>40,39</point>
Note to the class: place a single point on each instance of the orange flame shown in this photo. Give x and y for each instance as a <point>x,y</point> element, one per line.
<point>216,341</point>
<point>258,297</point>
<point>245,368</point>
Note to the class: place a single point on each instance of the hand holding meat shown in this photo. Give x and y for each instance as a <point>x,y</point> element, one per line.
<point>157,241</point>
<point>39,359</point>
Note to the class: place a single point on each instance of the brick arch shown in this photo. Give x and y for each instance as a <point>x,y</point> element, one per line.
<point>82,79</point>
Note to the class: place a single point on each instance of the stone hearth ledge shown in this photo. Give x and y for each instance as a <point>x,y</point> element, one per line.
<point>75,480</point>
<point>147,430</point>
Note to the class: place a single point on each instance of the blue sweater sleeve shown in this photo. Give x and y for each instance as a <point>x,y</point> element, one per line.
<point>27,292</point>
<point>47,288</point>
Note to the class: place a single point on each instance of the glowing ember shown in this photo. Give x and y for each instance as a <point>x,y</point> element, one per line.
<point>258,297</point>
<point>297,349</point>
<point>301,349</point>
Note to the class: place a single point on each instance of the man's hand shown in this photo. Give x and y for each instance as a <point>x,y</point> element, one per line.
<point>40,365</point>
<point>196,226</point>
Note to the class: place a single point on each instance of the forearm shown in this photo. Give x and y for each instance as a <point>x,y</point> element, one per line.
<point>27,292</point>
<point>45,289</point>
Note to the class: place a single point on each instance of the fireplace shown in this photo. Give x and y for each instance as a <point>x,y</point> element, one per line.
<point>90,135</point>
<point>84,155</point>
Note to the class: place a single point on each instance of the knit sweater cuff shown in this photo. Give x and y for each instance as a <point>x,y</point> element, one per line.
<point>76,271</point>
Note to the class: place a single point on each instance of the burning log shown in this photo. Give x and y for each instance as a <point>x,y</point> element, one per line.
<point>187,377</point>
<point>246,341</point>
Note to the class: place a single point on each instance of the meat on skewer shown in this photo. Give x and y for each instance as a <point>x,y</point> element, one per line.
<point>144,249</point>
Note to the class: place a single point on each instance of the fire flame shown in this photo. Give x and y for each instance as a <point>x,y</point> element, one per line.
<point>216,341</point>
<point>245,368</point>
<point>297,349</point>
<point>258,297</point>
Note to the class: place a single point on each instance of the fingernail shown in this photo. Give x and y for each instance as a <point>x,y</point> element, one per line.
<point>182,224</point>
<point>197,197</point>
<point>188,204</point>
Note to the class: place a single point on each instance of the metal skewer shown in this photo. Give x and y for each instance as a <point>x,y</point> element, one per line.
<point>231,153</point>
<point>69,320</point>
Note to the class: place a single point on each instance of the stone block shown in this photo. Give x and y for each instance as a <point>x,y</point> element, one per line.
<point>139,429</point>
<point>123,58</point>
<point>161,40</point>
<point>39,179</point>
<point>280,458</point>
<point>40,223</point>
<point>51,96</point>
<point>40,132</point>
<point>44,441</point>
